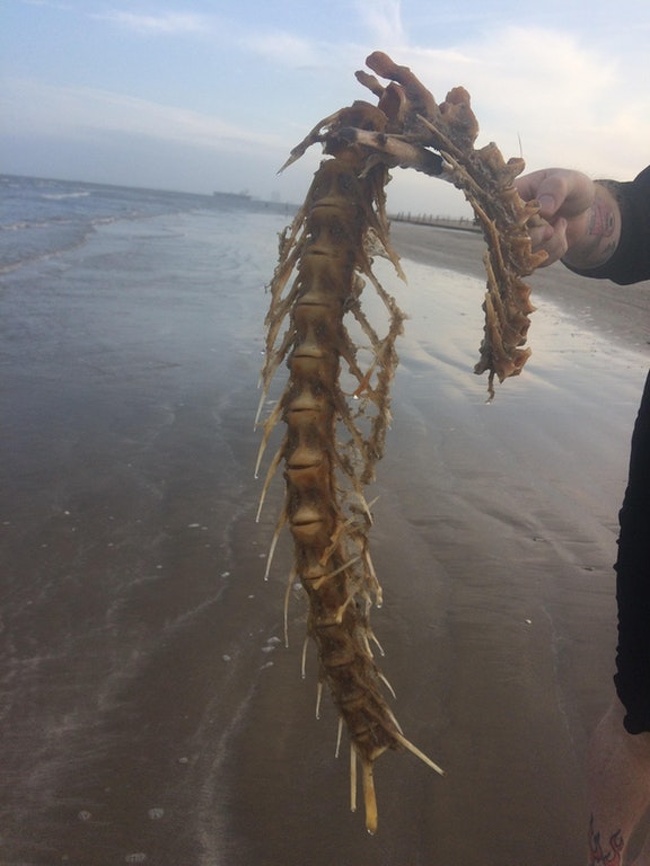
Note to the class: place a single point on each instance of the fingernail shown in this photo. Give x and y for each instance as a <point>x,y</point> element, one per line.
<point>546,204</point>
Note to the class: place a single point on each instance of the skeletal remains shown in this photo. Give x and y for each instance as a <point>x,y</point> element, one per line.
<point>333,439</point>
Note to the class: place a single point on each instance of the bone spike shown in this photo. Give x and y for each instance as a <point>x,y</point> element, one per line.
<point>339,734</point>
<point>419,754</point>
<point>379,595</point>
<point>388,685</point>
<point>269,424</point>
<point>276,535</point>
<point>369,796</point>
<point>396,723</point>
<point>374,639</point>
<point>366,506</point>
<point>353,778</point>
<point>303,665</point>
<point>267,481</point>
<point>316,584</point>
<point>260,406</point>
<point>311,138</point>
<point>292,577</point>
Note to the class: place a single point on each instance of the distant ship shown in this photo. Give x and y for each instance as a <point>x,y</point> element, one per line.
<point>233,196</point>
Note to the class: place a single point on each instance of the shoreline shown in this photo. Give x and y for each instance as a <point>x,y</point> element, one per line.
<point>462,224</point>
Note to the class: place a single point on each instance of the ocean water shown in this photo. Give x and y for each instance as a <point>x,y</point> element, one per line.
<point>149,712</point>
<point>40,217</point>
<point>130,346</point>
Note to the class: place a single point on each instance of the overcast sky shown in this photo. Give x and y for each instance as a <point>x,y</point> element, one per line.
<point>212,94</point>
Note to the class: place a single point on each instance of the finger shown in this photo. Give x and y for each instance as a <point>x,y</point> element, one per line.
<point>556,245</point>
<point>540,234</point>
<point>544,184</point>
<point>548,204</point>
<point>552,192</point>
<point>551,187</point>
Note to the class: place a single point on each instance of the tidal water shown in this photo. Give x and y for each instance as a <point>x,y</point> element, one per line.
<point>130,345</point>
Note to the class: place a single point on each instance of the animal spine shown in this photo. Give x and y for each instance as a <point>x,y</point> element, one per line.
<point>325,508</point>
<point>327,251</point>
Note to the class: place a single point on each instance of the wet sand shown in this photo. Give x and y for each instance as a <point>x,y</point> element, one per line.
<point>153,714</point>
<point>617,311</point>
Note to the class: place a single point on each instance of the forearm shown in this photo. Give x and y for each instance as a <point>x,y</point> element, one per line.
<point>594,236</point>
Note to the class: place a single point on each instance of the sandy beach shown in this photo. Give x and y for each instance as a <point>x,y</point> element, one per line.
<point>154,715</point>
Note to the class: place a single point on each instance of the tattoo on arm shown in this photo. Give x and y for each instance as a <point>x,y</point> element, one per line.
<point>608,855</point>
<point>602,229</point>
<point>601,233</point>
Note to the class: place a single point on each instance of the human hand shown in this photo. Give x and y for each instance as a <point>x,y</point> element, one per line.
<point>566,200</point>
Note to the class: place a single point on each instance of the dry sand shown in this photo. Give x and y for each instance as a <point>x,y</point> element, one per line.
<point>178,728</point>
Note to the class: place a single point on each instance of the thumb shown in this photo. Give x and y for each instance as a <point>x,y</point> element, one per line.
<point>547,205</point>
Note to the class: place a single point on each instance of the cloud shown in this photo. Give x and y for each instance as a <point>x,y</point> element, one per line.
<point>283,48</point>
<point>383,21</point>
<point>50,4</point>
<point>34,108</point>
<point>163,23</point>
<point>570,101</point>
<point>567,101</point>
<point>549,95</point>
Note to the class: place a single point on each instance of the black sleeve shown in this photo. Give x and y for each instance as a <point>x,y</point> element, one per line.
<point>630,263</point>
